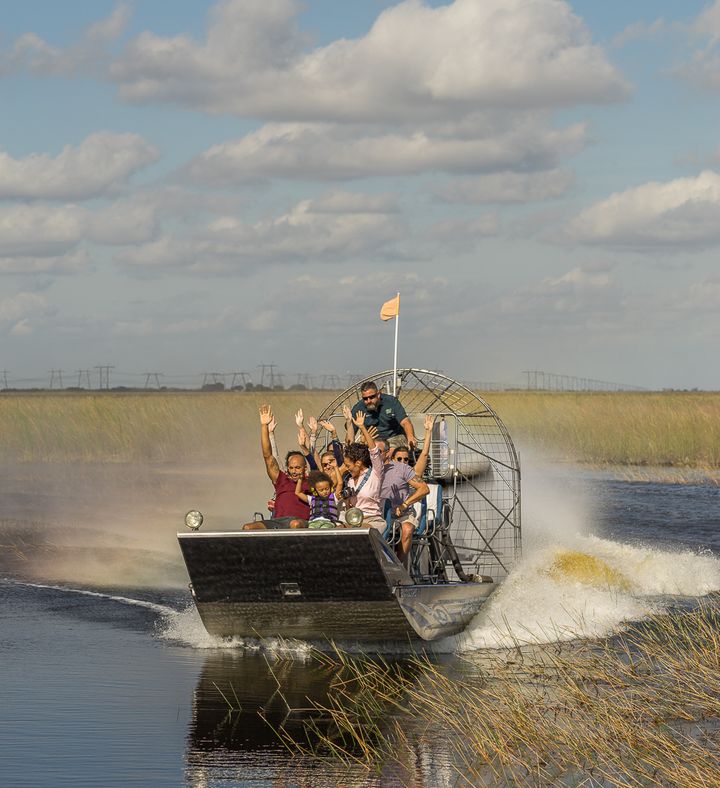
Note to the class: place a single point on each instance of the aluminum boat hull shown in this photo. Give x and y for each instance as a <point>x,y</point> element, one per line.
<point>342,584</point>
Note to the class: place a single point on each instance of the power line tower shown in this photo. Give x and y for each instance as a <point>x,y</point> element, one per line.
<point>56,376</point>
<point>5,380</point>
<point>104,376</point>
<point>152,376</point>
<point>243,376</point>
<point>271,375</point>
<point>84,373</point>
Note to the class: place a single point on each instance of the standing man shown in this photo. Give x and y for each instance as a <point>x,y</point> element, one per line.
<point>289,511</point>
<point>387,415</point>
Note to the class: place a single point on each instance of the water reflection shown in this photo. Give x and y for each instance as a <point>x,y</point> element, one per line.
<point>242,700</point>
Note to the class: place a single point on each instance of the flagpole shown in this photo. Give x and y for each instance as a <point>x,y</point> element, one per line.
<point>397,321</point>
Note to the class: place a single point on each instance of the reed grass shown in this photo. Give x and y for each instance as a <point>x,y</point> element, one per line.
<point>674,429</point>
<point>640,709</point>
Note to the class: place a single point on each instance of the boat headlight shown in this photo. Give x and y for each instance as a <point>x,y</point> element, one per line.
<point>193,520</point>
<point>354,517</point>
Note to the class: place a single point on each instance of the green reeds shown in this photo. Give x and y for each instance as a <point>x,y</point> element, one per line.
<point>639,709</point>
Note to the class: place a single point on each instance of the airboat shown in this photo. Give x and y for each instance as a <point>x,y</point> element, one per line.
<point>346,584</point>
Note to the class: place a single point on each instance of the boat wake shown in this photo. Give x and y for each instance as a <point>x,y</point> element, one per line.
<point>585,588</point>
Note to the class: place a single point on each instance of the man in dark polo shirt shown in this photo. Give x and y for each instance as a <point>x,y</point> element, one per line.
<point>387,415</point>
<point>289,511</point>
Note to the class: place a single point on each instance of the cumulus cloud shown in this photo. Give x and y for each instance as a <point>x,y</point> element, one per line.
<point>39,230</point>
<point>507,187</point>
<point>339,226</point>
<point>124,222</point>
<point>101,162</point>
<point>583,295</point>
<point>488,142</point>
<point>703,68</point>
<point>74,262</point>
<point>415,62</point>
<point>19,313</point>
<point>673,215</point>
<point>33,54</point>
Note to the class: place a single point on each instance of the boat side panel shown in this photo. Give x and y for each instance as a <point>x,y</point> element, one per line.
<point>358,621</point>
<point>293,568</point>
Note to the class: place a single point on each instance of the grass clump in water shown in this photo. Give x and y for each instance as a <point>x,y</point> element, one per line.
<point>642,708</point>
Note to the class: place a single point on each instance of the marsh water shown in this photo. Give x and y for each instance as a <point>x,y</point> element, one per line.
<point>108,678</point>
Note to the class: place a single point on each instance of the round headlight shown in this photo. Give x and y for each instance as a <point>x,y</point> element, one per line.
<point>354,517</point>
<point>193,520</point>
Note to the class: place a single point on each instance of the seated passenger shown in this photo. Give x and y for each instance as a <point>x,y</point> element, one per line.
<point>387,414</point>
<point>323,499</point>
<point>289,511</point>
<point>398,479</point>
<point>363,463</point>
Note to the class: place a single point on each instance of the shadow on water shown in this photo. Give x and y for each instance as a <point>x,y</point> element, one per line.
<point>255,717</point>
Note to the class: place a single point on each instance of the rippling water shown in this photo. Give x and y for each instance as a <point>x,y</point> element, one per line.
<point>108,677</point>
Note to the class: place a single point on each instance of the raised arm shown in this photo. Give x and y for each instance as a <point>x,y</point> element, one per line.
<point>271,464</point>
<point>271,431</point>
<point>313,425</point>
<point>338,482</point>
<point>422,460</point>
<point>409,431</point>
<point>298,490</point>
<point>359,422</point>
<point>349,428</point>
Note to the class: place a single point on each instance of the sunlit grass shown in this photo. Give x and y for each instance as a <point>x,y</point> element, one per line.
<point>640,709</point>
<point>680,430</point>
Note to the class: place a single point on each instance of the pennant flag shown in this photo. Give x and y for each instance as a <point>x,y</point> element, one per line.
<point>390,308</point>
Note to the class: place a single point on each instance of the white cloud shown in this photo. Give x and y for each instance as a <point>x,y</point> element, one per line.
<point>74,262</point>
<point>640,31</point>
<point>415,62</point>
<point>327,151</point>
<point>32,53</point>
<point>21,311</point>
<point>704,66</point>
<point>581,296</point>
<point>101,162</point>
<point>507,187</point>
<point>123,222</point>
<point>338,226</point>
<point>672,215</point>
<point>39,230</point>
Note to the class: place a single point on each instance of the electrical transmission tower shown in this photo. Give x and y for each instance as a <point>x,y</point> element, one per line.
<point>243,376</point>
<point>271,375</point>
<point>152,376</point>
<point>56,375</point>
<point>104,375</point>
<point>84,373</point>
<point>5,380</point>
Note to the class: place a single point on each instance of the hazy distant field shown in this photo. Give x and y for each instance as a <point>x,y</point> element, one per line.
<point>674,429</point>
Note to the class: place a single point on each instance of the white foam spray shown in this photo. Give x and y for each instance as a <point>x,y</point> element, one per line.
<point>572,584</point>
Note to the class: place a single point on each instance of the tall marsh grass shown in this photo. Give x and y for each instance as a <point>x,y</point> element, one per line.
<point>640,709</point>
<point>654,429</point>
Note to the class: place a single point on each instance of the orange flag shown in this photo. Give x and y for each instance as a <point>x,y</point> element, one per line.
<point>390,308</point>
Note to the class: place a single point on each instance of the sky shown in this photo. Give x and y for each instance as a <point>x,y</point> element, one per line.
<point>246,182</point>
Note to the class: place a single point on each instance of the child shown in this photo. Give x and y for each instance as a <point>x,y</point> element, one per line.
<point>323,500</point>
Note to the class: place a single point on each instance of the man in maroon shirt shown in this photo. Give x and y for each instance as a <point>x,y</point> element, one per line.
<point>290,511</point>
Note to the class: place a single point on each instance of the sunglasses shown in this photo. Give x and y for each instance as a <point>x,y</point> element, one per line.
<point>401,459</point>
<point>371,396</point>
<point>328,464</point>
